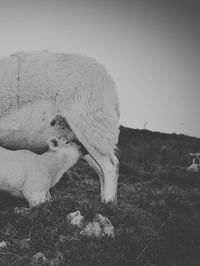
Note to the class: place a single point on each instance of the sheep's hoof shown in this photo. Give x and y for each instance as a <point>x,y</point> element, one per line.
<point>21,211</point>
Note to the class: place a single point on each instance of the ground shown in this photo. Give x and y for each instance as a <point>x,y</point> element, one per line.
<point>156,220</point>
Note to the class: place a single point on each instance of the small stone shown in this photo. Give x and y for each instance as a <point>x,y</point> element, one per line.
<point>75,218</point>
<point>106,226</point>
<point>21,211</point>
<point>99,227</point>
<point>40,257</point>
<point>92,229</point>
<point>58,260</point>
<point>3,244</point>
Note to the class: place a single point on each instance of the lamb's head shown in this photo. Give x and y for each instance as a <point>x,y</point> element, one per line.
<point>65,149</point>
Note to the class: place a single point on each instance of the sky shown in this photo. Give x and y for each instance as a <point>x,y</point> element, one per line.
<point>150,48</point>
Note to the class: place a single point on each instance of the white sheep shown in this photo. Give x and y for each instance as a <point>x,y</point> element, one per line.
<point>26,174</point>
<point>195,166</point>
<point>38,87</point>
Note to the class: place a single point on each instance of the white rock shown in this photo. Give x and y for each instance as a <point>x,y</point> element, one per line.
<point>107,227</point>
<point>92,229</point>
<point>3,244</point>
<point>99,227</point>
<point>75,218</point>
<point>40,256</point>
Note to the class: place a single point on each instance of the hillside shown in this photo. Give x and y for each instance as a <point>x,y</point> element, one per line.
<point>156,221</point>
<point>147,147</point>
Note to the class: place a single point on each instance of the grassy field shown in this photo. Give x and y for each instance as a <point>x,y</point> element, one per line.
<point>156,221</point>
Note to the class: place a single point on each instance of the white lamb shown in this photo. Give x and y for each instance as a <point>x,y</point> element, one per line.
<point>195,166</point>
<point>29,175</point>
<point>38,87</point>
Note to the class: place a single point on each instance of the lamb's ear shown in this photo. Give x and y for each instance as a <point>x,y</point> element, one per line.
<point>53,143</point>
<point>191,154</point>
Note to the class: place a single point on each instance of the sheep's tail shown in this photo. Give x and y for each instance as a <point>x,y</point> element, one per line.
<point>96,128</point>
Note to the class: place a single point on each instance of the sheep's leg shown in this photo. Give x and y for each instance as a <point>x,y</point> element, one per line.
<point>110,168</point>
<point>108,175</point>
<point>90,160</point>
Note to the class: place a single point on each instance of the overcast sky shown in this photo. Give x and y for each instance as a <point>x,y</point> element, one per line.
<point>151,49</point>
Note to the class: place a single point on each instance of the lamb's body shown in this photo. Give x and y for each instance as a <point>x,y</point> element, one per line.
<point>26,174</point>
<point>35,87</point>
<point>195,166</point>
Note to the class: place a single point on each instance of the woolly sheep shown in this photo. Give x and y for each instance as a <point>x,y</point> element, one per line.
<point>195,166</point>
<point>37,87</point>
<point>26,174</point>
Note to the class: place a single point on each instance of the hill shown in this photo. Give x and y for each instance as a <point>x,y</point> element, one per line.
<point>156,220</point>
<point>147,147</point>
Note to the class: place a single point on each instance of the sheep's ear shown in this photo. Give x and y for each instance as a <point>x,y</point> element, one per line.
<point>53,143</point>
<point>191,154</point>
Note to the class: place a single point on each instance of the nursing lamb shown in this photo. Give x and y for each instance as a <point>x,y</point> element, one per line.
<point>27,174</point>
<point>46,94</point>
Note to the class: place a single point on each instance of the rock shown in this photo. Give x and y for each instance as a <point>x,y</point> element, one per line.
<point>3,244</point>
<point>107,227</point>
<point>58,260</point>
<point>99,227</point>
<point>92,229</point>
<point>23,211</point>
<point>40,257</point>
<point>75,218</point>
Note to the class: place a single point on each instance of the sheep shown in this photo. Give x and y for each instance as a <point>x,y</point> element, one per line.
<point>26,174</point>
<point>37,88</point>
<point>195,166</point>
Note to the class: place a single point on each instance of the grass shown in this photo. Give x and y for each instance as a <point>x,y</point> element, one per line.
<point>156,221</point>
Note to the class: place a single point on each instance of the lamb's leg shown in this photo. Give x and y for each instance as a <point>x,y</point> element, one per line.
<point>37,197</point>
<point>108,175</point>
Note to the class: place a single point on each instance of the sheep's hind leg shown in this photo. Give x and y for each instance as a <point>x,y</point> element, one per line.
<point>110,168</point>
<point>108,175</point>
<point>90,160</point>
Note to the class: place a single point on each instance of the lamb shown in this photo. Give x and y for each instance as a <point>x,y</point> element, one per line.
<point>26,174</point>
<point>64,95</point>
<point>195,166</point>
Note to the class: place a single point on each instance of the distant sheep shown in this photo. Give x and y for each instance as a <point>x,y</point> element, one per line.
<point>30,175</point>
<point>37,88</point>
<point>195,166</point>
